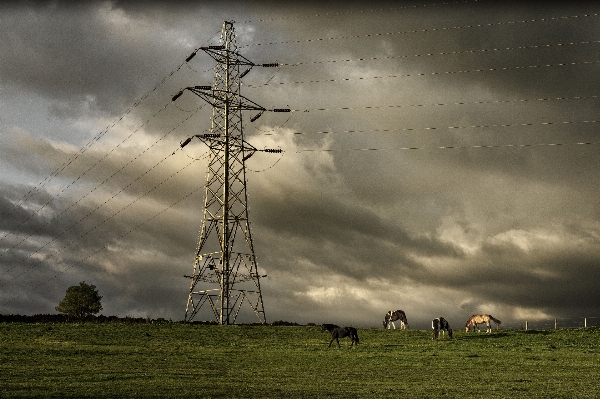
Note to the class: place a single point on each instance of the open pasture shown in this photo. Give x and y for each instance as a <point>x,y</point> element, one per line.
<point>178,360</point>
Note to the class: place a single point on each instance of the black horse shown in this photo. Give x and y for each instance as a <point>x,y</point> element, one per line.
<point>440,324</point>
<point>340,332</point>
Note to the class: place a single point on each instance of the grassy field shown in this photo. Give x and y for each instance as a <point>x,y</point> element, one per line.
<point>176,360</point>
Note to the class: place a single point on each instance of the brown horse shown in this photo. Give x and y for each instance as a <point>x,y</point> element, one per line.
<point>480,319</point>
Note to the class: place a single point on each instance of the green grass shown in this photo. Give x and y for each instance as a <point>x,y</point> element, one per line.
<point>177,360</point>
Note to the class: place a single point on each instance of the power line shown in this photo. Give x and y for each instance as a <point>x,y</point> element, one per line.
<point>449,147</point>
<point>477,51</point>
<point>118,238</point>
<point>84,173</point>
<point>443,29</point>
<point>344,13</point>
<point>449,103</point>
<point>90,230</point>
<point>562,64</point>
<point>99,206</point>
<point>96,138</point>
<point>442,128</point>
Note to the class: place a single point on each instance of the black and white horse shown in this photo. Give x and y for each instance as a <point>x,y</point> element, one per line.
<point>340,332</point>
<point>395,315</point>
<point>440,324</point>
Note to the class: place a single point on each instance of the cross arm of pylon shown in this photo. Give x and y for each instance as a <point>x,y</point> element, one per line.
<point>218,98</point>
<point>221,98</point>
<point>227,56</point>
<point>214,140</point>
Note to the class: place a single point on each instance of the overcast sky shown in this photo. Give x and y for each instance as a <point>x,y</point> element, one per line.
<point>419,167</point>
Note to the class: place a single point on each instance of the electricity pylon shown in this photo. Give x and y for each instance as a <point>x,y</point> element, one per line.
<point>225,274</point>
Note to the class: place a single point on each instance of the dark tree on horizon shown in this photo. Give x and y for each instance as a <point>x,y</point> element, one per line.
<point>80,301</point>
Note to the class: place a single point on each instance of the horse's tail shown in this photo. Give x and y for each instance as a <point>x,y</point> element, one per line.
<point>498,322</point>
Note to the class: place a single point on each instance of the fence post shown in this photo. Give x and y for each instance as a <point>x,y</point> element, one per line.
<point>526,325</point>
<point>555,324</point>
<point>585,322</point>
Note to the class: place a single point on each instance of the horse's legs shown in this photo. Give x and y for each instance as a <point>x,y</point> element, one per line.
<point>334,338</point>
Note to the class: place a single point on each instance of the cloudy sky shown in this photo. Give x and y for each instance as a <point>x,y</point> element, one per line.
<point>419,170</point>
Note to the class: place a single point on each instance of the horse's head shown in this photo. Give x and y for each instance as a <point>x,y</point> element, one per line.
<point>386,321</point>
<point>450,332</point>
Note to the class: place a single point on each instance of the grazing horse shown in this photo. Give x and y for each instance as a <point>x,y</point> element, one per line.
<point>440,324</point>
<point>340,332</point>
<point>395,315</point>
<point>328,327</point>
<point>480,319</point>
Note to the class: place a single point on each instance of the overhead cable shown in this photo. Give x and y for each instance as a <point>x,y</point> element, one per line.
<point>477,51</point>
<point>47,280</point>
<point>345,13</point>
<point>90,192</point>
<point>454,147</point>
<point>369,35</point>
<point>83,174</point>
<point>408,129</point>
<point>448,103</point>
<point>96,138</point>
<point>90,230</point>
<point>562,64</point>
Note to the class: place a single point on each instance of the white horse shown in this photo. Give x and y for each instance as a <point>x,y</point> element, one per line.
<point>395,315</point>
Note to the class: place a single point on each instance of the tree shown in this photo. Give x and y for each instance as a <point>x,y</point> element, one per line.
<point>80,301</point>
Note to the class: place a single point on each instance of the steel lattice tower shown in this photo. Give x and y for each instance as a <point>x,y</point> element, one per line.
<point>225,274</point>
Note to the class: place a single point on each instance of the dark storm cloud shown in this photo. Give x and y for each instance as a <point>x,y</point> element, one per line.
<point>102,53</point>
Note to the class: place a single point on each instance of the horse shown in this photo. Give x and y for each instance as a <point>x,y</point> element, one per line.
<point>393,316</point>
<point>328,327</point>
<point>480,319</point>
<point>340,332</point>
<point>440,324</point>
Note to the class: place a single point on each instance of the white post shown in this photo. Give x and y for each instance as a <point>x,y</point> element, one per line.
<point>555,324</point>
<point>526,325</point>
<point>585,322</point>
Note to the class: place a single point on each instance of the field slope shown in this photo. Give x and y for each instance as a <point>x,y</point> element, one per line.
<point>176,360</point>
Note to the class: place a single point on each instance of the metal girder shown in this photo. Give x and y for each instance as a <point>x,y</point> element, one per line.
<point>225,274</point>
<point>221,98</point>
